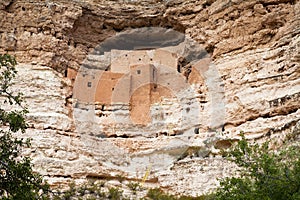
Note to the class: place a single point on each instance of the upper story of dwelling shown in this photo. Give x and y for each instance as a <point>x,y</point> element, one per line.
<point>123,61</point>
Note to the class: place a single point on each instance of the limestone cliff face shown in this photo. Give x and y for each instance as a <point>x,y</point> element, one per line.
<point>254,48</point>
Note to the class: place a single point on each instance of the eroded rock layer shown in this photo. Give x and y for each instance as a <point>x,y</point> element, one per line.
<point>252,46</point>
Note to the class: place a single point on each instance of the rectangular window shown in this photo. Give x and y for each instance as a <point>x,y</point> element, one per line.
<point>138,71</point>
<point>89,84</point>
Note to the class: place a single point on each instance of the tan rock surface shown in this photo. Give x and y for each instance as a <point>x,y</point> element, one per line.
<point>254,46</point>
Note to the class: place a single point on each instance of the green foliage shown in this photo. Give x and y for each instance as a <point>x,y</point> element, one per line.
<point>264,174</point>
<point>98,190</point>
<point>115,193</point>
<point>17,179</point>
<point>158,194</point>
<point>90,190</point>
<point>12,118</point>
<point>134,187</point>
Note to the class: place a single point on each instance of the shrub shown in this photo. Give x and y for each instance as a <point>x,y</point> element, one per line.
<point>264,174</point>
<point>17,179</point>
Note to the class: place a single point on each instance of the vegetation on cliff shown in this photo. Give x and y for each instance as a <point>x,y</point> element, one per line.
<point>264,173</point>
<point>17,179</point>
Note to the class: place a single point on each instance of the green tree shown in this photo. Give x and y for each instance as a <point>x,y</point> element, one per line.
<point>17,179</point>
<point>264,173</point>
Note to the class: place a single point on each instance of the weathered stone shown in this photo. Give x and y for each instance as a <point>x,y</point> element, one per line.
<point>253,73</point>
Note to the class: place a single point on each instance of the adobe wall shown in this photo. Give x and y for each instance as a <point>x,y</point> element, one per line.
<point>85,85</point>
<point>106,86</point>
<point>142,75</point>
<point>122,60</point>
<point>170,78</point>
<point>140,103</point>
<point>143,98</point>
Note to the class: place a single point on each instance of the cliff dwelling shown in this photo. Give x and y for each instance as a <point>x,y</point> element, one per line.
<point>124,88</point>
<point>142,80</point>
